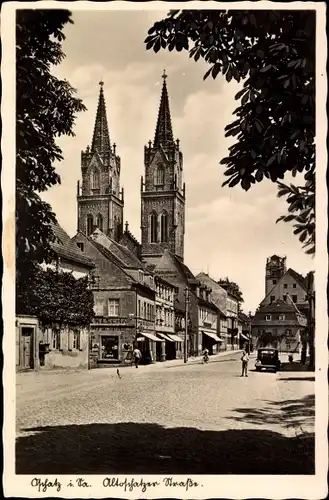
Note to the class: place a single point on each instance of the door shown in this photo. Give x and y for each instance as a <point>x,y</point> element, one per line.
<point>27,347</point>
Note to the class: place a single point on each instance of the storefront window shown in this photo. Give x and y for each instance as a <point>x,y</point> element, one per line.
<point>109,347</point>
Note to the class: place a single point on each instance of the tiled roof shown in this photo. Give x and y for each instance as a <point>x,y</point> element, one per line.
<point>279,306</point>
<point>184,269</point>
<point>127,258</point>
<point>65,248</point>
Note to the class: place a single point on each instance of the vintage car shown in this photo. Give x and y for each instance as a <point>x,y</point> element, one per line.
<point>268,359</point>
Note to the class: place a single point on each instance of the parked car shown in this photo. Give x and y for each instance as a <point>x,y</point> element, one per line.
<point>267,359</point>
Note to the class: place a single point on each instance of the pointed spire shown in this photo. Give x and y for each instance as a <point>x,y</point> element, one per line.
<point>163,133</point>
<point>101,137</point>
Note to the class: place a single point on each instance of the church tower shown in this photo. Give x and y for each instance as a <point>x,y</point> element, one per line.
<point>162,190</point>
<point>100,201</point>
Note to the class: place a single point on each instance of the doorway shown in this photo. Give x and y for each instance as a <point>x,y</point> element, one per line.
<point>109,347</point>
<point>27,334</point>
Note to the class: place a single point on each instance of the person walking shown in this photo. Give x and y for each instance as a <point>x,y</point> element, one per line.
<point>137,356</point>
<point>245,360</point>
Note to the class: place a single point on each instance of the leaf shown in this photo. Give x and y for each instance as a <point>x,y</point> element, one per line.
<point>234,181</point>
<point>265,68</point>
<point>207,74</point>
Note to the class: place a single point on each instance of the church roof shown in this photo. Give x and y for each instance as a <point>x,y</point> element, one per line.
<point>163,133</point>
<point>101,137</point>
<point>123,254</point>
<point>65,248</point>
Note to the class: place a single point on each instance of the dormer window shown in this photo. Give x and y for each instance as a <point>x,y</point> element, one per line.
<point>268,317</point>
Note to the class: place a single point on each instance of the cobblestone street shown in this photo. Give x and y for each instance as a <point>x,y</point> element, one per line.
<point>166,418</point>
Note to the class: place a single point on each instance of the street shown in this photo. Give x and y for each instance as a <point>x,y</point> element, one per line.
<point>166,419</point>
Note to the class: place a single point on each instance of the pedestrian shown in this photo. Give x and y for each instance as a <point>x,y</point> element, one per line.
<point>244,359</point>
<point>137,356</point>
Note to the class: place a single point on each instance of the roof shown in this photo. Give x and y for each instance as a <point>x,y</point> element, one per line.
<point>122,253</point>
<point>101,138</point>
<point>299,278</point>
<point>207,304</point>
<point>279,306</point>
<point>183,268</point>
<point>65,248</point>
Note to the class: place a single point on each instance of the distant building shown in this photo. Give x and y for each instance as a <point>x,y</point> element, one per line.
<point>279,325</point>
<point>281,318</point>
<point>165,328</point>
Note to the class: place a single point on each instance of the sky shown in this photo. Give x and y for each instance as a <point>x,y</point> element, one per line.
<point>229,232</point>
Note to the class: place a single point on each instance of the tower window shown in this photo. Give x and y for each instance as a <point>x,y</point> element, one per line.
<point>90,224</point>
<point>154,228</point>
<point>159,176</point>
<point>95,179</point>
<point>164,227</point>
<point>99,222</point>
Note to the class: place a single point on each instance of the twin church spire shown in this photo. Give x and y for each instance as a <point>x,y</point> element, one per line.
<point>101,137</point>
<point>163,133</point>
<point>101,201</point>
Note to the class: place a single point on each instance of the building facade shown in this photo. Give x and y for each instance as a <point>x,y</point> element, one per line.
<point>163,190</point>
<point>124,296</point>
<point>171,345</point>
<point>279,325</point>
<point>100,199</point>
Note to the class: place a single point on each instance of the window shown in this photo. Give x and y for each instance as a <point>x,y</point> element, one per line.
<point>99,222</point>
<point>285,285</point>
<point>76,339</point>
<point>294,285</point>
<point>164,227</point>
<point>81,246</point>
<point>274,282</point>
<point>95,179</point>
<point>159,178</point>
<point>268,317</point>
<point>154,227</point>
<point>272,298</point>
<point>139,308</point>
<point>56,339</point>
<point>294,298</point>
<point>113,307</point>
<point>285,298</point>
<point>90,224</point>
<point>281,317</point>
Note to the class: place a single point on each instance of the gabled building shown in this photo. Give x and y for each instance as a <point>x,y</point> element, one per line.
<point>283,284</point>
<point>124,295</point>
<point>279,325</point>
<point>171,345</point>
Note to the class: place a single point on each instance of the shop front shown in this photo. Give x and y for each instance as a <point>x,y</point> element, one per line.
<point>210,341</point>
<point>146,343</point>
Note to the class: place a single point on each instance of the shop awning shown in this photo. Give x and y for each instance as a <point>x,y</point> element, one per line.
<point>149,336</point>
<point>165,337</point>
<point>175,338</point>
<point>213,336</point>
<point>244,336</point>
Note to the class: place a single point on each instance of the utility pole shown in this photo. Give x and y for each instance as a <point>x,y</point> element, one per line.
<point>186,325</point>
<point>249,332</point>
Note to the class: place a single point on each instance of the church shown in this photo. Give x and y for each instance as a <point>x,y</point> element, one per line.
<point>100,233</point>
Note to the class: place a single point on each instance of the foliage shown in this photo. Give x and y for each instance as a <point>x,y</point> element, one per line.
<point>273,52</point>
<point>45,109</point>
<point>58,297</point>
<point>231,287</point>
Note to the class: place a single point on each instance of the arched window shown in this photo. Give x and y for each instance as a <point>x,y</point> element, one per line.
<point>164,227</point>
<point>95,179</point>
<point>159,176</point>
<point>99,222</point>
<point>154,227</point>
<point>90,224</point>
